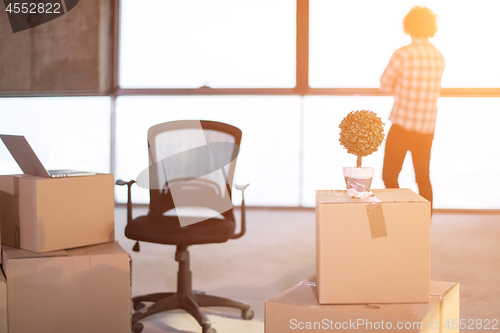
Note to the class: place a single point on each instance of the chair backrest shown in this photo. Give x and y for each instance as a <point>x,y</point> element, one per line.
<point>193,163</point>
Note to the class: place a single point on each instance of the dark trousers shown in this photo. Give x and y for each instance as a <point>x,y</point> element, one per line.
<point>399,141</point>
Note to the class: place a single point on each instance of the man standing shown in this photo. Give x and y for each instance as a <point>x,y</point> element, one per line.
<point>413,75</point>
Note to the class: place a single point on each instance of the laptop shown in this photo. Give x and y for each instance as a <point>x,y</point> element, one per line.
<point>29,162</point>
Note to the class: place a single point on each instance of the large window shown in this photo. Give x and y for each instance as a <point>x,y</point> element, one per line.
<point>464,159</point>
<point>64,132</point>
<point>217,43</point>
<point>465,155</point>
<point>269,154</point>
<point>351,41</point>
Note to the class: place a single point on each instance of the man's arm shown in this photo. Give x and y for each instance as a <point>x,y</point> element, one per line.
<point>391,73</point>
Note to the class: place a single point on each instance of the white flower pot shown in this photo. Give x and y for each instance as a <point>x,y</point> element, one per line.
<point>358,181</point>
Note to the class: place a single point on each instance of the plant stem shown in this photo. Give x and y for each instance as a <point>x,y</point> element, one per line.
<point>358,163</point>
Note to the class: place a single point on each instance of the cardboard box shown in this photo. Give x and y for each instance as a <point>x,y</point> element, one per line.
<point>79,290</point>
<point>3,303</point>
<point>46,214</point>
<point>298,310</point>
<point>374,250</point>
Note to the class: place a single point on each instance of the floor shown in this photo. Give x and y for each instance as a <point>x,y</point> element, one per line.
<point>278,251</point>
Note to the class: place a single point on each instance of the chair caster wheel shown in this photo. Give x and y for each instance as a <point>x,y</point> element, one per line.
<point>137,327</point>
<point>210,330</point>
<point>139,306</point>
<point>247,314</point>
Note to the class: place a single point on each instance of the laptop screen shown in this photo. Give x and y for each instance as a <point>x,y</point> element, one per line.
<point>24,155</point>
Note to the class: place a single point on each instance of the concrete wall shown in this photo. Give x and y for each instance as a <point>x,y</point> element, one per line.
<point>67,54</point>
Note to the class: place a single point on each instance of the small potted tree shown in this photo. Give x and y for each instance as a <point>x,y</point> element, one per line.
<point>361,133</point>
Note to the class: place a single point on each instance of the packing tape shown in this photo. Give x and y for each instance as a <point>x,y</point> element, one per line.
<point>358,188</point>
<point>375,306</point>
<point>375,217</point>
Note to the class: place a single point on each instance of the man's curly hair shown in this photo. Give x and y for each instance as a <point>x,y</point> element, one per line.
<point>420,22</point>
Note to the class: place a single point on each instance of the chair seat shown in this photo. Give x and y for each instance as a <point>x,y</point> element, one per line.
<point>167,230</point>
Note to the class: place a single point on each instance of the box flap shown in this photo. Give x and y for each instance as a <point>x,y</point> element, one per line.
<point>31,177</point>
<point>384,195</point>
<point>9,252</point>
<point>441,288</point>
<point>304,294</point>
<point>105,248</point>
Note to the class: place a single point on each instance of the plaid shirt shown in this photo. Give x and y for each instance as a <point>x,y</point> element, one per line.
<point>413,75</point>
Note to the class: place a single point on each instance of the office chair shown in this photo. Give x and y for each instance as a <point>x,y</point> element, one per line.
<point>191,164</point>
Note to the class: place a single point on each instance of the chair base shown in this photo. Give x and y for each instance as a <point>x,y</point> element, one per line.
<point>190,303</point>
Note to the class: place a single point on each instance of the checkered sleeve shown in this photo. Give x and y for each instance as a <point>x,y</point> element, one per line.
<point>392,72</point>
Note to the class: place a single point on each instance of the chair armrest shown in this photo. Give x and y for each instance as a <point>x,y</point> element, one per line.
<point>129,184</point>
<point>243,213</point>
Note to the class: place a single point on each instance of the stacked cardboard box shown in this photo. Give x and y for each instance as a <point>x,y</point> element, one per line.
<point>372,265</point>
<point>64,271</point>
<point>375,250</point>
<point>297,309</point>
<point>48,214</point>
